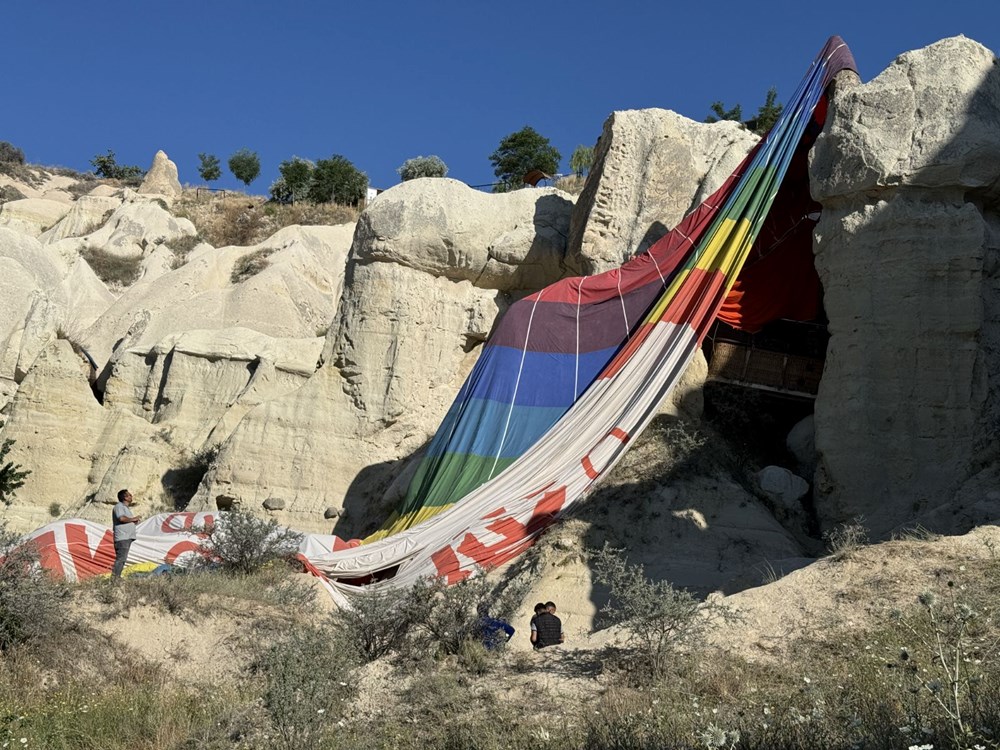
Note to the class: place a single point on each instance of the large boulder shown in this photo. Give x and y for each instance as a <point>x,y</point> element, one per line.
<point>908,171</point>
<point>651,168</point>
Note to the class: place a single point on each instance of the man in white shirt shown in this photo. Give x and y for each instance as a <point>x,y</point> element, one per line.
<point>123,523</point>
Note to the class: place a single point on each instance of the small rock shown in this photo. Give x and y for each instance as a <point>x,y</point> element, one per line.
<point>332,512</point>
<point>226,502</point>
<point>274,503</point>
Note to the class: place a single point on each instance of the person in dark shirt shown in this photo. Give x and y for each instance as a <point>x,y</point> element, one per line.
<point>539,608</point>
<point>548,628</point>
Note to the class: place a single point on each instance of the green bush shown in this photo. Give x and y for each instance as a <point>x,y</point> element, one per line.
<point>520,153</point>
<point>240,542</point>
<point>106,165</point>
<point>182,246</point>
<point>12,475</point>
<point>10,154</point>
<point>376,624</point>
<point>656,618</point>
<point>31,602</point>
<point>337,179</point>
<point>245,165</point>
<point>422,166</point>
<point>113,269</point>
<point>582,159</point>
<point>307,684</point>
<point>250,264</point>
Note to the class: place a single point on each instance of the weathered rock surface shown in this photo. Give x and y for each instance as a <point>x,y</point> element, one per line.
<point>908,172</point>
<point>32,216</point>
<point>651,167</point>
<point>87,214</point>
<point>137,226</point>
<point>161,179</point>
<point>431,264</point>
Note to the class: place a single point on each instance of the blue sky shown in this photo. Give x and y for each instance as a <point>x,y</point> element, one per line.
<point>380,82</point>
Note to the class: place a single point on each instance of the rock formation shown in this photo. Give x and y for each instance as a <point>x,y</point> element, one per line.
<point>161,179</point>
<point>908,172</point>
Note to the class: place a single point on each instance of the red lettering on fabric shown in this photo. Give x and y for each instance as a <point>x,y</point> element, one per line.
<point>48,553</point>
<point>89,564</point>
<point>448,567</point>
<point>170,525</point>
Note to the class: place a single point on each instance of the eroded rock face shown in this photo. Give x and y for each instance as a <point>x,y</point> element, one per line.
<point>651,167</point>
<point>432,264</point>
<point>161,179</point>
<point>908,172</point>
<point>32,216</point>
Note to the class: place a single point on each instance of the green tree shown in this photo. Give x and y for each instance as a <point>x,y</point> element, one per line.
<point>10,154</point>
<point>105,165</point>
<point>296,178</point>
<point>245,165</point>
<point>582,159</point>
<point>518,154</point>
<point>719,112</point>
<point>12,476</point>
<point>422,166</point>
<point>337,179</point>
<point>209,167</point>
<point>767,114</point>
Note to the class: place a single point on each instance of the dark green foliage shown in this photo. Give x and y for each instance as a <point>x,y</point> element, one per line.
<point>760,123</point>
<point>767,113</point>
<point>295,181</point>
<point>582,159</point>
<point>12,476</point>
<point>10,154</point>
<point>30,601</point>
<point>245,165</point>
<point>518,154</point>
<point>208,167</point>
<point>376,624</point>
<point>111,268</point>
<point>105,165</point>
<point>307,683</point>
<point>240,542</point>
<point>422,166</point>
<point>337,179</point>
<point>719,112</point>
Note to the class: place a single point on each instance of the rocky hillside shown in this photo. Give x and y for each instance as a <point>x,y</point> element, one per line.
<point>297,375</point>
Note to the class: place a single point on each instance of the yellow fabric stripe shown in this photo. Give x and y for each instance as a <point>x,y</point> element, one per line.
<point>401,523</point>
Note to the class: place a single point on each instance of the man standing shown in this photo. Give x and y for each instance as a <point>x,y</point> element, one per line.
<point>124,525</point>
<point>548,628</point>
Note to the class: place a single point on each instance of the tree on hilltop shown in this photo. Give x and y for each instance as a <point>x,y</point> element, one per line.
<point>337,179</point>
<point>106,165</point>
<point>245,166</point>
<point>582,159</point>
<point>209,167</point>
<point>767,113</point>
<point>520,153</point>
<point>295,181</point>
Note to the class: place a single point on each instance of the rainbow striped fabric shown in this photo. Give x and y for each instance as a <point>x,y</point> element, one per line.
<point>551,346</point>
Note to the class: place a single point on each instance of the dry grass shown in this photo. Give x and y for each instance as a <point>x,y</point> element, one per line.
<point>239,219</point>
<point>114,270</point>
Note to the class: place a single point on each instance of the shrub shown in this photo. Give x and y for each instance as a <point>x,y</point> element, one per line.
<point>30,600</point>
<point>245,165</point>
<point>337,179</point>
<point>243,543</point>
<point>12,475</point>
<point>55,510</point>
<point>846,538</point>
<point>296,178</point>
<point>306,684</point>
<point>250,265</point>
<point>422,166</point>
<point>656,617</point>
<point>376,624</point>
<point>113,269</point>
<point>182,246</point>
<point>241,225</point>
<point>10,154</point>
<point>209,168</point>
<point>10,193</point>
<point>520,153</point>
<point>447,618</point>
<point>105,165</point>
<point>582,159</point>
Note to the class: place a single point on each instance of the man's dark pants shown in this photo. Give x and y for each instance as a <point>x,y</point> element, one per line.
<point>121,555</point>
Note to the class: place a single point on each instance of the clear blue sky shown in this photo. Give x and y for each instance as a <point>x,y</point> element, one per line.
<point>379,82</point>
